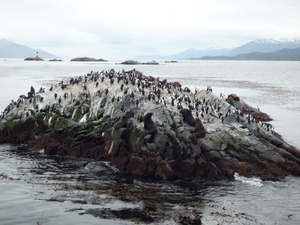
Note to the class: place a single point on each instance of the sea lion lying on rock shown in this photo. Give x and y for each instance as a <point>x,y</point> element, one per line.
<point>122,123</point>
<point>245,110</point>
<point>234,97</point>
<point>149,126</point>
<point>188,117</point>
<point>260,116</point>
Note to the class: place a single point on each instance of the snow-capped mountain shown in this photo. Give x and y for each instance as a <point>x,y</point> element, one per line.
<point>258,45</point>
<point>265,45</point>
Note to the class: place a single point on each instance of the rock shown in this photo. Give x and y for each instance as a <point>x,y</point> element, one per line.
<point>137,166</point>
<point>134,62</point>
<point>148,127</point>
<point>96,167</point>
<point>199,131</point>
<point>34,59</point>
<point>88,59</point>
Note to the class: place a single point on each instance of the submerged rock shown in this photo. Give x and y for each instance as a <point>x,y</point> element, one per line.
<point>148,127</point>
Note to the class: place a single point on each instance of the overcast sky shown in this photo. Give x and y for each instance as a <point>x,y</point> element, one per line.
<point>124,29</point>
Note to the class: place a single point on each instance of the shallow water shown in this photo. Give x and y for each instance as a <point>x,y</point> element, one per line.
<point>37,189</point>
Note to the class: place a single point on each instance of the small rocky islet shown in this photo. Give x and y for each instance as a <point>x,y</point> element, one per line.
<point>87,59</point>
<point>150,127</point>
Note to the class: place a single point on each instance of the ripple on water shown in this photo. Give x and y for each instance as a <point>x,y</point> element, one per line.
<point>251,181</point>
<point>47,190</point>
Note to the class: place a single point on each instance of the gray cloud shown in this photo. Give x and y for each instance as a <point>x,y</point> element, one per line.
<point>125,29</point>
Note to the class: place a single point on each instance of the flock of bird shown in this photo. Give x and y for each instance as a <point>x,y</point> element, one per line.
<point>141,89</point>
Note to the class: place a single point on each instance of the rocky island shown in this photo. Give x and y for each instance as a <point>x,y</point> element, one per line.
<point>34,59</point>
<point>87,59</point>
<point>55,60</point>
<point>134,62</point>
<point>149,127</point>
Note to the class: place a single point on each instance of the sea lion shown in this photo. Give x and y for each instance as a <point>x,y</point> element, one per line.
<point>199,130</point>
<point>32,90</point>
<point>122,123</point>
<point>149,126</point>
<point>31,93</point>
<point>234,97</point>
<point>188,117</point>
<point>245,110</point>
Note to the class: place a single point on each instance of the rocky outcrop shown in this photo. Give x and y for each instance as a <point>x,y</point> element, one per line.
<point>88,59</point>
<point>34,59</point>
<point>134,62</point>
<point>148,127</point>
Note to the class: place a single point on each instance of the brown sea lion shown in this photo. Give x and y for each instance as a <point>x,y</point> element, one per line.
<point>245,110</point>
<point>260,116</point>
<point>32,90</point>
<point>234,97</point>
<point>122,123</point>
<point>31,93</point>
<point>149,126</point>
<point>199,131</point>
<point>176,84</point>
<point>188,117</point>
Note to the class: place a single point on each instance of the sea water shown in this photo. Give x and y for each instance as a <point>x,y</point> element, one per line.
<point>31,186</point>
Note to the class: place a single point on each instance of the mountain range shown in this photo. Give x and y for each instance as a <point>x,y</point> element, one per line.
<point>258,46</point>
<point>262,49</point>
<point>9,49</point>
<point>286,54</point>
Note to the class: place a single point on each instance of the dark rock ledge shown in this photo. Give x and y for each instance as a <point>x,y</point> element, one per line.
<point>101,116</point>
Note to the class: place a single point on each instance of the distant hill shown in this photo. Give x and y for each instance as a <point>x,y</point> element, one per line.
<point>195,53</point>
<point>9,49</point>
<point>187,54</point>
<point>286,54</point>
<point>264,45</point>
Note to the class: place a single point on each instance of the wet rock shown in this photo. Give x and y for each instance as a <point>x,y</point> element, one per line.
<point>166,170</point>
<point>148,127</point>
<point>96,167</point>
<point>137,166</point>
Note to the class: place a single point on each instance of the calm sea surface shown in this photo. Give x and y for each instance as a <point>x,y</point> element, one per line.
<point>33,187</point>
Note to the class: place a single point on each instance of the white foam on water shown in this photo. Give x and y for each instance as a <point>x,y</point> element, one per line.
<point>253,181</point>
<point>111,166</point>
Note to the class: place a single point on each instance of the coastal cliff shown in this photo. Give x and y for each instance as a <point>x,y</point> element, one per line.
<point>149,127</point>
